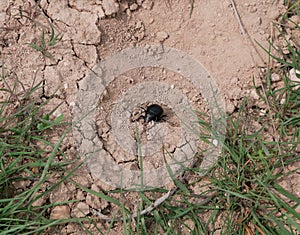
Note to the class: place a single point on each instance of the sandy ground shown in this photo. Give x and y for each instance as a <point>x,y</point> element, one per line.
<point>94,30</point>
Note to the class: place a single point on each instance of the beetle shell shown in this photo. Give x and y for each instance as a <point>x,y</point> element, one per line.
<point>154,112</point>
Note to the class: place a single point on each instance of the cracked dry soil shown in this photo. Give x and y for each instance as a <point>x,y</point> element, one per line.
<point>93,30</point>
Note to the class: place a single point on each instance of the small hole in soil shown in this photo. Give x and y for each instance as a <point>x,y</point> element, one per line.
<point>138,123</point>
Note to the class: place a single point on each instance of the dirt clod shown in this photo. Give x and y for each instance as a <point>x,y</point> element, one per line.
<point>80,210</point>
<point>60,212</point>
<point>110,7</point>
<point>92,31</point>
<point>162,36</point>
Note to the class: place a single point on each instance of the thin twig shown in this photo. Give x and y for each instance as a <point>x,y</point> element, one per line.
<point>288,4</point>
<point>191,7</point>
<point>244,32</point>
<point>238,17</point>
<point>157,202</point>
<point>150,208</point>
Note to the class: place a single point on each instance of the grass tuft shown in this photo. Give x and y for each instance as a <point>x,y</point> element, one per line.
<point>242,193</point>
<point>26,160</point>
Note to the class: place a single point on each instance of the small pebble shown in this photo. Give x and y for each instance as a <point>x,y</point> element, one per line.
<point>139,2</point>
<point>72,103</point>
<point>60,212</point>
<point>139,25</point>
<point>148,4</point>
<point>133,7</point>
<point>57,113</point>
<point>294,77</point>
<point>162,36</point>
<point>254,94</point>
<point>275,77</point>
<point>151,20</point>
<point>262,112</point>
<point>230,107</point>
<point>215,142</point>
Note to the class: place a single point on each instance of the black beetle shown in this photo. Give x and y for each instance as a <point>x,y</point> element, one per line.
<point>153,112</point>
